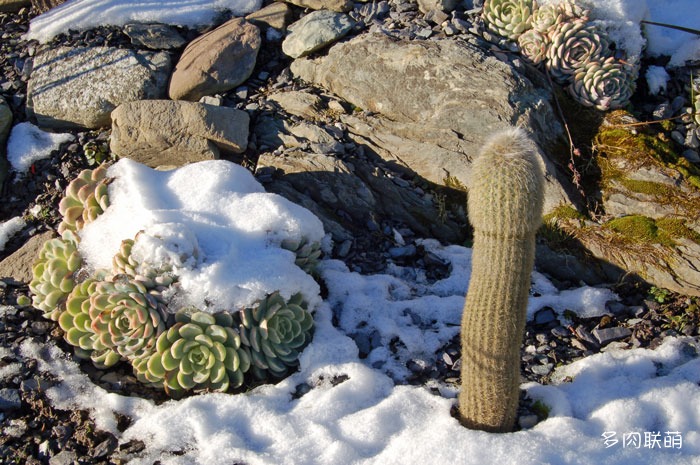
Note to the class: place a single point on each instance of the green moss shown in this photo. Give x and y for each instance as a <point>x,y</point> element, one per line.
<point>649,188</point>
<point>454,183</point>
<point>564,212</point>
<point>676,228</point>
<point>638,228</point>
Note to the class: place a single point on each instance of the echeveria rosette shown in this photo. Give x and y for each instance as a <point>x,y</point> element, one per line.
<point>86,198</point>
<point>125,317</point>
<point>307,253</point>
<point>276,331</point>
<point>605,85</point>
<point>508,18</point>
<point>155,279</point>
<point>545,17</point>
<point>200,351</point>
<point>53,274</point>
<point>533,46</point>
<point>76,323</point>
<point>573,45</point>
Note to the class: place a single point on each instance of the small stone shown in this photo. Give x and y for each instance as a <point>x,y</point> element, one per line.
<point>545,316</point>
<point>691,155</point>
<point>607,335</point>
<point>403,252</point>
<point>315,31</point>
<point>10,399</point>
<point>344,248</point>
<point>527,421</point>
<point>66,457</point>
<point>615,307</point>
<point>154,36</point>
<point>417,366</point>
<point>105,448</point>
<point>584,335</point>
<point>561,332</point>
<point>542,370</point>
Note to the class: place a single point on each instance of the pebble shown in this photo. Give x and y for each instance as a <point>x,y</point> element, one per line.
<point>545,316</point>
<point>542,370</point>
<point>66,457</point>
<point>607,335</point>
<point>10,399</point>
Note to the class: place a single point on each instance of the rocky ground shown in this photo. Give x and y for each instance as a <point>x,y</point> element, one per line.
<point>34,432</point>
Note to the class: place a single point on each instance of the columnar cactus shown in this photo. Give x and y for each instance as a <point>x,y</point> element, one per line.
<point>505,209</point>
<point>86,198</point>
<point>275,332</point>
<point>201,351</point>
<point>508,18</point>
<point>53,274</point>
<point>605,85</point>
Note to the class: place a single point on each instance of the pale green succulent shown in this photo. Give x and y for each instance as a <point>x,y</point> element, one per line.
<point>76,322</point>
<point>155,279</point>
<point>86,198</point>
<point>573,45</point>
<point>508,18</point>
<point>307,253</point>
<point>53,274</point>
<point>125,317</point>
<point>545,17</point>
<point>276,331</point>
<point>605,85</point>
<point>201,351</point>
<point>533,46</point>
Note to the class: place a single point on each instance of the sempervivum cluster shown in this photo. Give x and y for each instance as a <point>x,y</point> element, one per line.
<point>603,84</point>
<point>508,18</point>
<point>201,352</point>
<point>573,45</point>
<point>86,198</point>
<point>275,332</point>
<point>576,52</point>
<point>155,279</point>
<point>53,274</point>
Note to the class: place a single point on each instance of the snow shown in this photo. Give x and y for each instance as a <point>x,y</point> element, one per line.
<point>27,144</point>
<point>86,14</point>
<point>657,79</point>
<point>9,228</point>
<point>213,224</point>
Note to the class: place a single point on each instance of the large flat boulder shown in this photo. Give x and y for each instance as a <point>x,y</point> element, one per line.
<point>217,61</point>
<point>167,132</point>
<point>430,105</point>
<point>79,87</point>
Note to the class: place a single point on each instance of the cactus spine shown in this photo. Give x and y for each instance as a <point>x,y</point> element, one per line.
<point>505,209</point>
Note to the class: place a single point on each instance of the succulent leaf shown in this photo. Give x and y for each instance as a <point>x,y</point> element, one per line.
<point>508,18</point>
<point>86,198</point>
<point>53,275</point>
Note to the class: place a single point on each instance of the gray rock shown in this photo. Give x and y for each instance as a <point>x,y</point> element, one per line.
<point>299,103</point>
<point>13,6</point>
<point>315,31</point>
<point>542,370</point>
<point>276,15</point>
<point>165,132</point>
<point>5,127</point>
<point>79,87</point>
<point>217,61</point>
<point>545,316</point>
<point>66,457</point>
<point>326,186</point>
<point>436,103</point>
<point>332,5</point>
<point>607,335</point>
<point>440,5</point>
<point>154,36</point>
<point>18,266</point>
<point>9,399</point>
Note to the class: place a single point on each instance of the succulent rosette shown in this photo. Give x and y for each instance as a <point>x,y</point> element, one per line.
<point>508,18</point>
<point>307,253</point>
<point>76,323</point>
<point>154,278</point>
<point>86,198</point>
<point>573,45</point>
<point>547,16</point>
<point>53,274</point>
<point>533,46</point>
<point>276,331</point>
<point>605,85</point>
<point>201,351</point>
<point>125,317</point>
